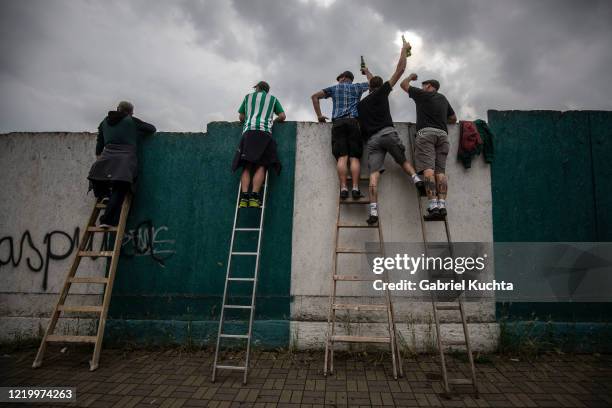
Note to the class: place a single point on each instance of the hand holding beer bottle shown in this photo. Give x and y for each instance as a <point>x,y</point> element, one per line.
<point>406,46</point>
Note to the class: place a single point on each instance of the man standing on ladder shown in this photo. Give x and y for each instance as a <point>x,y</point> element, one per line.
<point>382,138</point>
<point>114,172</point>
<point>257,150</point>
<point>433,112</point>
<point>347,144</point>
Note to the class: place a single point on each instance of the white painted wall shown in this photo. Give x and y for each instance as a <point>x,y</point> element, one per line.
<point>316,191</point>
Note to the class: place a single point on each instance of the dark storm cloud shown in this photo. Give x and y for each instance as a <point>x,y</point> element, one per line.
<point>186,63</point>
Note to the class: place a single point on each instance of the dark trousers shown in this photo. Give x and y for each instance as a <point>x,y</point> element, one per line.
<point>115,191</point>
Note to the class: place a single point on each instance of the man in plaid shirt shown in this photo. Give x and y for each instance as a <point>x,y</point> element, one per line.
<point>347,144</point>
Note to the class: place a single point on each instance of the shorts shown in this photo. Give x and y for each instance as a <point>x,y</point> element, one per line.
<point>430,150</point>
<point>379,144</point>
<point>346,138</point>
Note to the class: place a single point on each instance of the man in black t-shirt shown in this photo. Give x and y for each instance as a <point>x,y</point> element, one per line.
<point>431,144</point>
<point>377,127</point>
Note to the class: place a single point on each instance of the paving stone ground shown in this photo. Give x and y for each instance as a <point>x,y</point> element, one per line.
<point>174,378</point>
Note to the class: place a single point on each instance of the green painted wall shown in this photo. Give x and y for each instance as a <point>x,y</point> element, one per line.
<point>186,185</point>
<point>552,181</point>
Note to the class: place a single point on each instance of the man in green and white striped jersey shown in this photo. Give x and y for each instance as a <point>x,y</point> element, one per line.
<point>257,150</point>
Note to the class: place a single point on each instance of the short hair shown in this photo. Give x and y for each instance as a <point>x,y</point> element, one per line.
<point>433,83</point>
<point>376,82</point>
<point>125,107</point>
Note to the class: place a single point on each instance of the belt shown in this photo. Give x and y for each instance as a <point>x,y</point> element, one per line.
<point>349,116</point>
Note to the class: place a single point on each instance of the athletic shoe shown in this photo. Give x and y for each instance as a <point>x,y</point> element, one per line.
<point>105,226</point>
<point>442,211</point>
<point>420,186</point>
<point>433,215</point>
<point>255,200</point>
<point>356,194</point>
<point>244,200</point>
<point>344,194</point>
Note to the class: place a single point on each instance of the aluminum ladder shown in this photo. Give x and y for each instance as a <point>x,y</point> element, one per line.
<point>228,279</point>
<point>387,307</point>
<point>107,281</point>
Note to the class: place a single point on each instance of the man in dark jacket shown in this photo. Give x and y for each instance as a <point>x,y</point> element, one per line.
<point>114,172</point>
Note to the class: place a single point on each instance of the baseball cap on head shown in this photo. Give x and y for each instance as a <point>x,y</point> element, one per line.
<point>346,74</point>
<point>263,86</point>
<point>433,83</point>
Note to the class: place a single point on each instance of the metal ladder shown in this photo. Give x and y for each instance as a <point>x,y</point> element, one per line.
<point>447,306</point>
<point>331,336</point>
<point>102,310</point>
<point>228,279</point>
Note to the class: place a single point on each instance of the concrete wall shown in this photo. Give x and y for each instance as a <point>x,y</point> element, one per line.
<point>172,267</point>
<point>316,190</point>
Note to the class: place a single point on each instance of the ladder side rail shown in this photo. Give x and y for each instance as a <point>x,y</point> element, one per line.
<point>256,275</point>
<point>125,208</point>
<point>332,293</point>
<point>390,320</point>
<point>66,287</point>
<point>227,274</point>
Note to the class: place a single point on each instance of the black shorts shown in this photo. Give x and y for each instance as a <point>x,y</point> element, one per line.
<point>346,138</point>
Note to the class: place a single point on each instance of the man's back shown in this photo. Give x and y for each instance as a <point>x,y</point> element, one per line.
<point>345,97</point>
<point>374,111</point>
<point>432,109</point>
<point>259,107</point>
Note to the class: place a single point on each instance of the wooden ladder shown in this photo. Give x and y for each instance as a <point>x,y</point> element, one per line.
<point>101,310</point>
<point>221,334</point>
<point>387,307</point>
<point>456,305</point>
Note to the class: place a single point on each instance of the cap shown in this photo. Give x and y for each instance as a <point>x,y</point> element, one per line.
<point>263,85</point>
<point>433,83</point>
<point>347,74</point>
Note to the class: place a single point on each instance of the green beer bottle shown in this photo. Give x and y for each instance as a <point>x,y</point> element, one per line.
<point>363,65</point>
<point>408,53</point>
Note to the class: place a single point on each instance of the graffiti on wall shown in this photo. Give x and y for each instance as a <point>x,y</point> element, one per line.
<point>143,240</point>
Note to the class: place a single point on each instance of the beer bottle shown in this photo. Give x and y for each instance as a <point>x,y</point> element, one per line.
<point>363,65</point>
<point>408,53</point>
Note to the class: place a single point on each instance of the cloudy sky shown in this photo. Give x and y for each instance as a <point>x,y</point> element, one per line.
<point>186,63</point>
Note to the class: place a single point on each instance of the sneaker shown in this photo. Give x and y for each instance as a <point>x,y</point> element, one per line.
<point>420,186</point>
<point>433,215</point>
<point>344,194</point>
<point>255,200</point>
<point>105,226</point>
<point>442,211</point>
<point>244,200</point>
<point>356,194</point>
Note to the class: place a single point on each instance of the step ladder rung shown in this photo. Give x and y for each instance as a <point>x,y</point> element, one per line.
<point>434,220</point>
<point>353,278</point>
<point>360,339</point>
<point>234,336</point>
<point>237,307</point>
<point>100,229</point>
<point>245,253</point>
<point>357,226</point>
<point>229,367</point>
<point>80,308</point>
<point>349,201</point>
<point>355,251</point>
<point>448,307</point>
<point>460,381</point>
<point>246,229</point>
<point>453,342</point>
<point>58,338</point>
<point>88,279</point>
<point>95,254</point>
<point>241,279</point>
<point>367,308</point>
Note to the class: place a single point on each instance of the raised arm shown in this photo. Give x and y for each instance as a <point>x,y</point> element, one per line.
<point>406,82</point>
<point>401,65</point>
<point>368,74</point>
<point>317,105</point>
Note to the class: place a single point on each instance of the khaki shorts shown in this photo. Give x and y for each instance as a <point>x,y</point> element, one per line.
<point>379,144</point>
<point>430,150</point>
